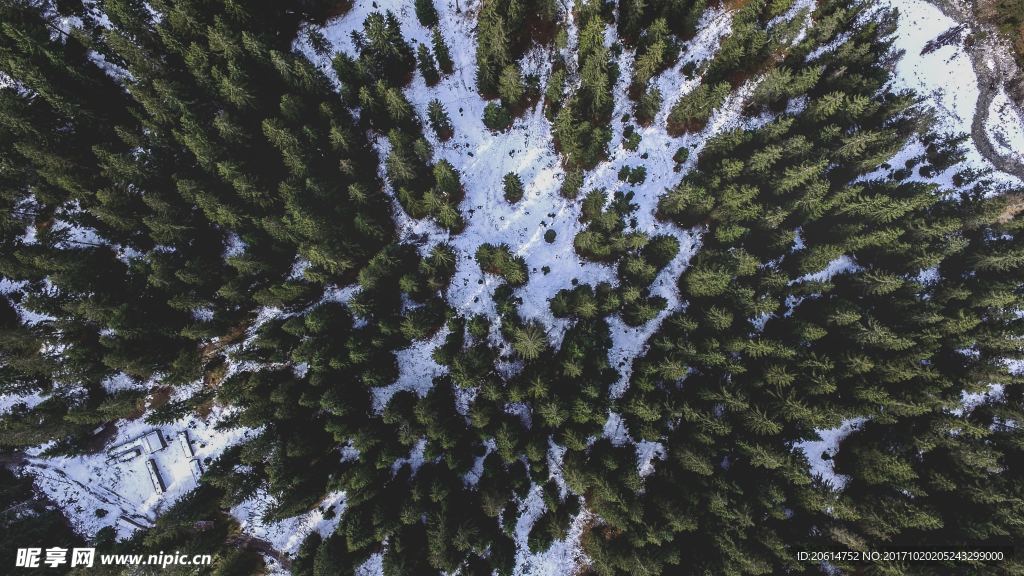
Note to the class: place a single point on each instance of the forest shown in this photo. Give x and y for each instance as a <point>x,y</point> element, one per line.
<point>736,239</point>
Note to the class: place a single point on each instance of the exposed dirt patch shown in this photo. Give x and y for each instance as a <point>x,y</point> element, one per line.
<point>211,349</point>
<point>1014,206</point>
<point>158,397</point>
<point>261,546</point>
<point>99,440</point>
<point>1008,17</point>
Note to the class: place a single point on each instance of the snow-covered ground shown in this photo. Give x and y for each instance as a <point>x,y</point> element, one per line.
<point>482,159</point>
<point>30,400</point>
<point>417,369</point>
<point>287,535</point>
<point>948,82</point>
<point>930,74</point>
<point>820,452</point>
<point>562,557</point>
<point>1006,127</point>
<point>84,485</point>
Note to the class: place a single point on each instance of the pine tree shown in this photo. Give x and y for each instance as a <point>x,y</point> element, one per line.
<point>427,67</point>
<point>510,87</point>
<point>439,120</point>
<point>497,117</point>
<point>499,260</point>
<point>512,187</point>
<point>648,106</point>
<point>693,110</point>
<point>385,53</point>
<point>441,52</point>
<point>426,13</point>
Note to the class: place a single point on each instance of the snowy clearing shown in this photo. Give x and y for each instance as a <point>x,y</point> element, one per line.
<point>81,485</point>
<point>819,453</point>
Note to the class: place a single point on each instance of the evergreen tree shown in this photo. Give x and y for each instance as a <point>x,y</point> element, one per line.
<point>426,13</point>
<point>512,187</point>
<point>439,120</point>
<point>427,66</point>
<point>500,261</point>
<point>441,52</point>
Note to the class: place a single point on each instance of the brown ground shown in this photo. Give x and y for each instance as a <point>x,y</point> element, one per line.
<point>1005,15</point>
